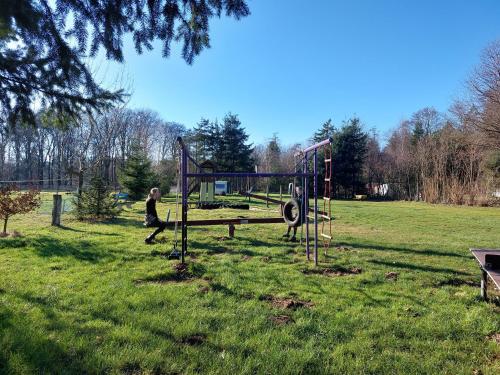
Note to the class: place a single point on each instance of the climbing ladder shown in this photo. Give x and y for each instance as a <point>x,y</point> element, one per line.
<point>326,226</point>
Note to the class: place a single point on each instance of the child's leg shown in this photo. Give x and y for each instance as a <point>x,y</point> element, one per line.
<point>161,225</point>
<point>287,234</point>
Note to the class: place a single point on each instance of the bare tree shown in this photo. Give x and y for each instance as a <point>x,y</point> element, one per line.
<point>483,108</point>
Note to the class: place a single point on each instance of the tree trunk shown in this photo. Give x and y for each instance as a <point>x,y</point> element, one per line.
<point>80,182</point>
<point>5,224</point>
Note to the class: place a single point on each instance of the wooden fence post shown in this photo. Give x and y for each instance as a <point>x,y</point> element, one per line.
<point>56,210</point>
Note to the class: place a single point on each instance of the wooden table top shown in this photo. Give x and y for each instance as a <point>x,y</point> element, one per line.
<point>479,254</point>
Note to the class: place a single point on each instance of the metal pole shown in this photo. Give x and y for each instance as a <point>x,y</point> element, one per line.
<point>184,202</point>
<point>305,202</point>
<point>315,207</point>
<point>267,195</point>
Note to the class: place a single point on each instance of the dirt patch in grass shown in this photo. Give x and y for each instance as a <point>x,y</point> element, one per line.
<point>266,259</point>
<point>333,271</point>
<point>343,248</point>
<point>281,320</point>
<point>391,275</point>
<point>14,234</point>
<point>495,337</point>
<point>246,257</point>
<point>181,273</point>
<point>204,289</point>
<point>458,282</point>
<point>194,340</point>
<point>286,303</point>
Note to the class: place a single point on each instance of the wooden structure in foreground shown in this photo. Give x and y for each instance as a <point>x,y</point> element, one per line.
<point>486,269</point>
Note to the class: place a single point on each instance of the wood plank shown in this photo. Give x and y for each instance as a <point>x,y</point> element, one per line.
<point>480,254</point>
<point>238,221</point>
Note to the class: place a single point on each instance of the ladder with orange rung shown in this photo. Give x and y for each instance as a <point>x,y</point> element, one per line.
<point>326,226</point>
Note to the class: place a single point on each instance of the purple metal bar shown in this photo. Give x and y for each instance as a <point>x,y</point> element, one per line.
<point>246,174</point>
<point>314,146</point>
<point>306,202</point>
<point>315,207</point>
<point>184,158</point>
<point>194,161</point>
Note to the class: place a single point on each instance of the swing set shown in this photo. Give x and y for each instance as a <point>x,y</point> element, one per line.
<point>191,173</point>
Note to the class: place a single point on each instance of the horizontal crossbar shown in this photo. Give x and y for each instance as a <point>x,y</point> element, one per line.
<point>247,174</point>
<point>255,220</point>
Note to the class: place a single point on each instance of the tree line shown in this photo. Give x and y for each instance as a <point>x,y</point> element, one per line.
<point>451,157</point>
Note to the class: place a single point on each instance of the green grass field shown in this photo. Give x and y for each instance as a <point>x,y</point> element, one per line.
<point>92,298</point>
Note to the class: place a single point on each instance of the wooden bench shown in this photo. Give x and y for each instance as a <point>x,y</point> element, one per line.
<point>493,274</point>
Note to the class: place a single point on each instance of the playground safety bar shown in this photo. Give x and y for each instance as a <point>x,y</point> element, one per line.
<point>314,146</point>
<point>247,174</point>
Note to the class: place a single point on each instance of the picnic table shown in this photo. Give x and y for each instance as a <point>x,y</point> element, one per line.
<point>486,269</point>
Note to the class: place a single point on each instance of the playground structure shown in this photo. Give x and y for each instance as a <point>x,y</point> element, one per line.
<point>191,173</point>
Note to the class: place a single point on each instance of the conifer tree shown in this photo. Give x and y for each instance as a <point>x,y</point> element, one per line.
<point>349,153</point>
<point>137,175</point>
<point>95,202</point>
<point>236,154</point>
<point>44,44</point>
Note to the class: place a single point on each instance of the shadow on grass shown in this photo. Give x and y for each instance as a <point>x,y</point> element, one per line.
<point>12,243</point>
<point>40,353</point>
<point>416,267</point>
<point>235,245</point>
<point>45,246</point>
<point>125,222</point>
<point>405,250</point>
<point>69,229</point>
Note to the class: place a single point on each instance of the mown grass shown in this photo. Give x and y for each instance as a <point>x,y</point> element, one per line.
<point>92,298</point>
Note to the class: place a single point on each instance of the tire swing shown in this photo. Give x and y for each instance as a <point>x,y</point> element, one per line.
<point>292,213</point>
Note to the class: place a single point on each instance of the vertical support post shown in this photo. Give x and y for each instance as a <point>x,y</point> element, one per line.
<point>484,285</point>
<point>184,202</point>
<point>56,210</point>
<point>305,203</point>
<point>267,195</point>
<point>315,207</point>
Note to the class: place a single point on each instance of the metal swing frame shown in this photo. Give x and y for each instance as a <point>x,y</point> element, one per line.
<point>304,156</point>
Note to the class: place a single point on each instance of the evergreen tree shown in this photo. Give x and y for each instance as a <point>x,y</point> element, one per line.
<point>200,140</point>
<point>327,130</point>
<point>236,154</point>
<point>43,45</point>
<point>95,202</point>
<point>349,152</point>
<point>215,142</point>
<point>418,133</point>
<point>273,162</point>
<point>137,175</point>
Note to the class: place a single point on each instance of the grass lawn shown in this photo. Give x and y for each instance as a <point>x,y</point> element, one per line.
<point>92,298</point>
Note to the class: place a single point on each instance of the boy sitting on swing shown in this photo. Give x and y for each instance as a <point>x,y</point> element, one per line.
<point>298,198</point>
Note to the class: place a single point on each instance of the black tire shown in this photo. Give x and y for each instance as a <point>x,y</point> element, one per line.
<point>293,220</point>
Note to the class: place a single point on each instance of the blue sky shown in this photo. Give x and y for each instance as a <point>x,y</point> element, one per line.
<point>292,64</point>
